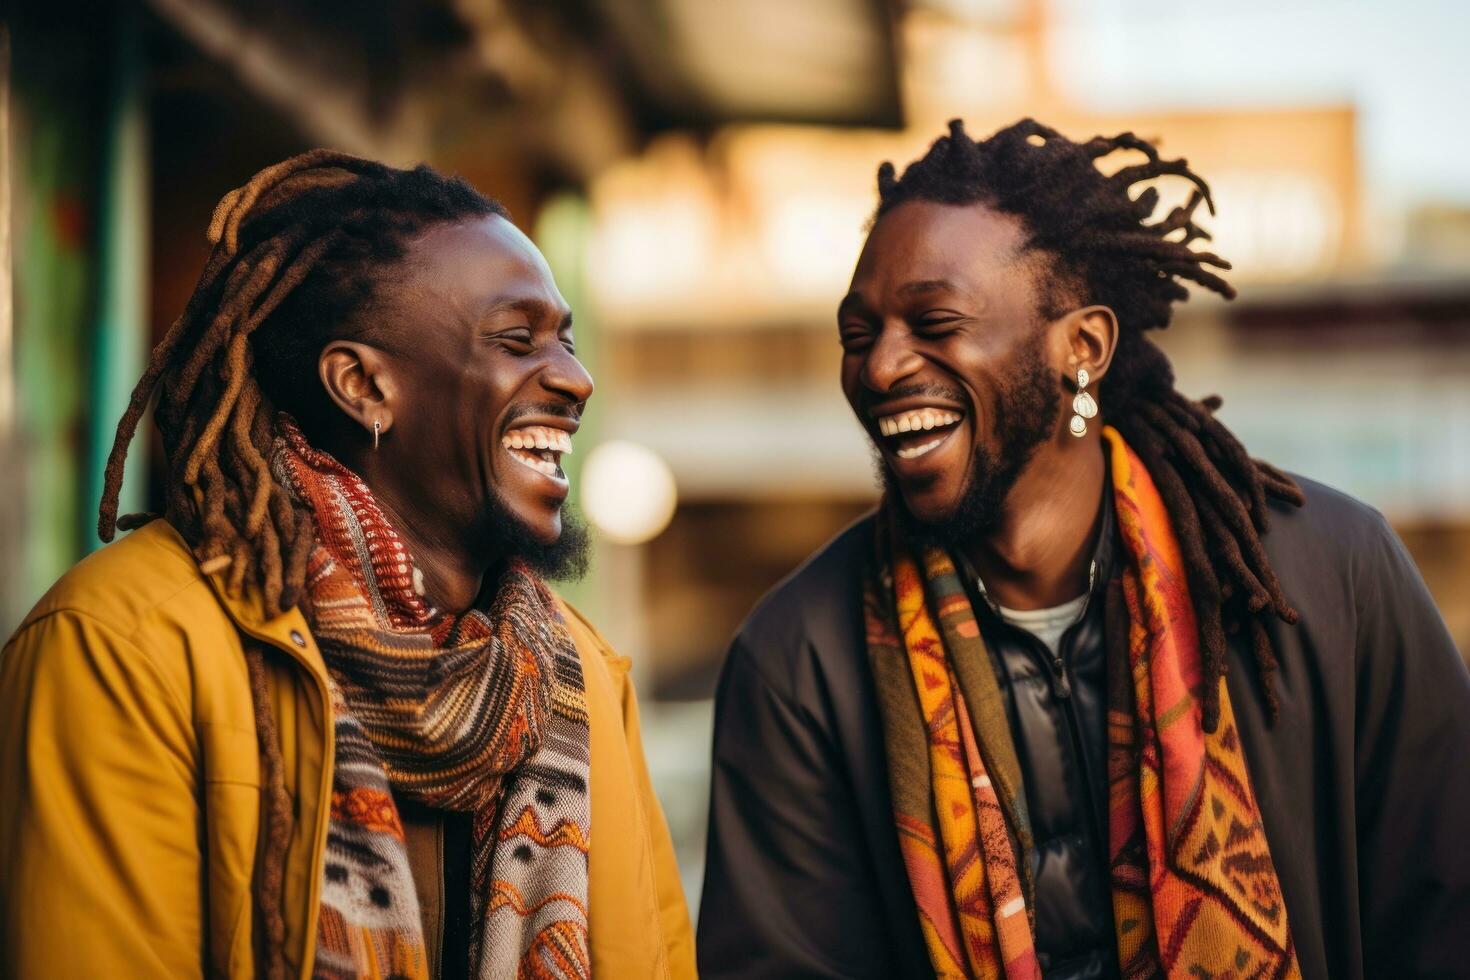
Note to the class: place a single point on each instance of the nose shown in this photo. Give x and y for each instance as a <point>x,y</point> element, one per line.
<point>564,375</point>
<point>890,360</point>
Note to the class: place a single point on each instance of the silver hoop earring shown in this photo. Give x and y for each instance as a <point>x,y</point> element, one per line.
<point>377,430</point>
<point>1083,404</point>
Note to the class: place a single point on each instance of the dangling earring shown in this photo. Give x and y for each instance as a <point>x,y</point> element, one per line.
<point>377,430</point>
<point>1083,404</point>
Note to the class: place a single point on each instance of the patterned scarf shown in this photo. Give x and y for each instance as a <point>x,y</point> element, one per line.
<point>1194,889</point>
<point>482,713</point>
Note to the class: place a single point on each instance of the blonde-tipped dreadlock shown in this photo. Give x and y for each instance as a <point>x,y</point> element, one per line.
<point>1103,248</point>
<point>294,257</point>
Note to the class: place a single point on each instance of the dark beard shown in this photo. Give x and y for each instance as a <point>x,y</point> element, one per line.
<point>1026,414</point>
<point>564,560</point>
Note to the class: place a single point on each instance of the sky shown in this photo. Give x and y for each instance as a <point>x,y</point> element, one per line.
<point>1405,64</point>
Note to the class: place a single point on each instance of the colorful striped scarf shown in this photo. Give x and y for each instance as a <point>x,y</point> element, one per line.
<point>482,713</point>
<point>1194,889</point>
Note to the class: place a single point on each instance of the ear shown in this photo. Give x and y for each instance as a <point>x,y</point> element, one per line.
<point>359,381</point>
<point>1092,337</point>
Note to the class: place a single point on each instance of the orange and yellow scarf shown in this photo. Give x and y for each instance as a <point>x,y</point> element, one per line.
<point>1194,889</point>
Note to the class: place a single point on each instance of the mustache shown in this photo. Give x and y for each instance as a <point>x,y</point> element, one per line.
<point>571,412</point>
<point>945,392</point>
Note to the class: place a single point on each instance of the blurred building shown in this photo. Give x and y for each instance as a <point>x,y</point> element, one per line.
<point>699,176</point>
<point>715,262</point>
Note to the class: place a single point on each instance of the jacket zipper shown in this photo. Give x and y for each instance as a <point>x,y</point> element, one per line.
<point>1061,687</point>
<point>1063,690</point>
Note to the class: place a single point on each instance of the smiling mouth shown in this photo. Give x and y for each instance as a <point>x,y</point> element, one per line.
<point>914,433</point>
<point>540,448</point>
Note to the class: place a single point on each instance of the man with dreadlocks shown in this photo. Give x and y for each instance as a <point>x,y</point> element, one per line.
<point>1094,693</point>
<point>324,719</point>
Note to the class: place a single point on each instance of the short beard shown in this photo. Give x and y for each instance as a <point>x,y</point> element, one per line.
<point>1026,414</point>
<point>564,560</point>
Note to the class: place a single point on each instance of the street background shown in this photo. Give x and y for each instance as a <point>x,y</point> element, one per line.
<point>698,174</point>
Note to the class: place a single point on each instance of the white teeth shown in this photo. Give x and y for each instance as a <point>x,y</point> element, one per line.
<point>538,437</point>
<point>917,421</point>
<point>918,451</point>
<point>540,448</point>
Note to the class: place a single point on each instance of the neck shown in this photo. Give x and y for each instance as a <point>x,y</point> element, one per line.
<point>450,556</point>
<point>452,578</point>
<point>454,571</point>
<point>1037,554</point>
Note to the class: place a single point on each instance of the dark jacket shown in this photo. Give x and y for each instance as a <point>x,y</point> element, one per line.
<point>1362,782</point>
<point>1057,709</point>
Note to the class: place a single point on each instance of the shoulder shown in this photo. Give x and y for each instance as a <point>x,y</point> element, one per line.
<point>1340,562</point>
<point>141,602</point>
<point>1332,533</point>
<point>596,653</point>
<point>815,611</point>
<point>129,583</point>
<point>587,638</point>
<point>1327,513</point>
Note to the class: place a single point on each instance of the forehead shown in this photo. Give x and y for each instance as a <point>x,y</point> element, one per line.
<point>966,244</point>
<point>480,259</point>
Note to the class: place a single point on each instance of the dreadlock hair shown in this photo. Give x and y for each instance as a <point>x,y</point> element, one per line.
<point>1102,246</point>
<point>296,253</point>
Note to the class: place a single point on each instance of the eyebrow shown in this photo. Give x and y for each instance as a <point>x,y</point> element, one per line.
<point>916,288</point>
<point>925,286</point>
<point>531,308</point>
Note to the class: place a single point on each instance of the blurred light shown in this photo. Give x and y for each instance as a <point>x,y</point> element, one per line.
<point>657,224</point>
<point>628,491</point>
<point>811,241</point>
<point>956,70</point>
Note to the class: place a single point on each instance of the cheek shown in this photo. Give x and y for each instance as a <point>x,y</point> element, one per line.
<point>478,391</point>
<point>850,375</point>
<point>448,423</point>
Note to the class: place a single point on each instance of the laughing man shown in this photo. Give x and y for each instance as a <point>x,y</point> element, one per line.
<point>1094,693</point>
<point>324,719</point>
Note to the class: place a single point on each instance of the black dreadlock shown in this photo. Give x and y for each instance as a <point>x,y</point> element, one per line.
<point>297,252</point>
<point>1103,249</point>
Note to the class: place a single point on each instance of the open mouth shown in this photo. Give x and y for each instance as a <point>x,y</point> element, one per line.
<point>916,432</point>
<point>539,447</point>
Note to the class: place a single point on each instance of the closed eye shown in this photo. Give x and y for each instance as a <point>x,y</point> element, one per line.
<point>856,336</point>
<point>516,340</point>
<point>938,318</point>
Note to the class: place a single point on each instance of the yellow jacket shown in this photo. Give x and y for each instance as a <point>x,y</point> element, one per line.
<point>130,783</point>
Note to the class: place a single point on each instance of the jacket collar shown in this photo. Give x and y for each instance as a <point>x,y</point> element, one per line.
<point>288,632</point>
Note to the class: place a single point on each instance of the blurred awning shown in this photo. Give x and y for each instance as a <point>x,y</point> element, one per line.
<point>817,61</point>
<point>579,83</point>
